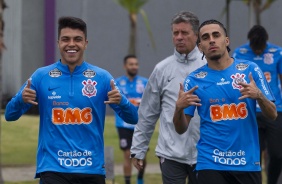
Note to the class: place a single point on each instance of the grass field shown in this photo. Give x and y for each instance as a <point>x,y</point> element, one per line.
<point>19,143</point>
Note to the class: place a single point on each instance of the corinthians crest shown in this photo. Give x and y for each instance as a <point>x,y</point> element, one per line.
<point>89,88</point>
<point>237,78</point>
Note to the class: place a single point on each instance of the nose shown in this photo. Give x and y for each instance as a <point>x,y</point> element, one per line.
<point>212,40</point>
<point>71,42</point>
<point>179,36</point>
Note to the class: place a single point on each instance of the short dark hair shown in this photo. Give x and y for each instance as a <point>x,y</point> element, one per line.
<point>258,37</point>
<point>127,57</point>
<point>72,22</point>
<point>186,17</point>
<point>212,21</point>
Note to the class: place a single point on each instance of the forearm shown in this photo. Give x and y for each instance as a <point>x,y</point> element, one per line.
<point>179,120</point>
<point>127,112</point>
<point>16,108</point>
<point>267,107</point>
<point>140,142</point>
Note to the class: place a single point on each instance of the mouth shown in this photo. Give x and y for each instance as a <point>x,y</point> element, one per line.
<point>213,48</point>
<point>180,44</point>
<point>71,51</point>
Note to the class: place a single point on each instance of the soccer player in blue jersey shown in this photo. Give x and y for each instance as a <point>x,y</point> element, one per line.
<point>132,86</point>
<point>225,92</point>
<point>269,58</point>
<point>72,96</point>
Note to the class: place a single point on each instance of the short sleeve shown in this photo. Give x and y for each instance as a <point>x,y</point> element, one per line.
<point>187,86</point>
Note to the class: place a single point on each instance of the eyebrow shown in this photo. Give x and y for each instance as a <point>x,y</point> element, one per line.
<point>71,37</point>
<point>215,32</point>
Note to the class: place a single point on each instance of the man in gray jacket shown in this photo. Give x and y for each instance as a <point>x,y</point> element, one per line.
<point>177,153</point>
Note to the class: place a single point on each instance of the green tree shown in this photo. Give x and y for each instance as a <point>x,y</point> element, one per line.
<point>259,6</point>
<point>2,47</point>
<point>134,7</point>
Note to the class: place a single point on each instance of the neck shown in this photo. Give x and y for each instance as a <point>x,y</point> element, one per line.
<point>72,66</point>
<point>222,63</point>
<point>130,77</point>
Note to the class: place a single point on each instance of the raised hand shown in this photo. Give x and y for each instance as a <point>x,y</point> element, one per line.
<point>186,99</point>
<point>250,90</point>
<point>113,95</point>
<point>29,95</point>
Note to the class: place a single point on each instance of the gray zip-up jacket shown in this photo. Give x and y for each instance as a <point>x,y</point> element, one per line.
<point>158,101</point>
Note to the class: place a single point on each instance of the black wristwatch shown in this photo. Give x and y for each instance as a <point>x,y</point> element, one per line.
<point>132,155</point>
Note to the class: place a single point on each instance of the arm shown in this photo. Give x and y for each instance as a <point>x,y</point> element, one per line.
<point>149,112</point>
<point>267,107</point>
<point>280,77</point>
<point>121,105</point>
<point>251,90</point>
<point>126,110</point>
<point>185,99</point>
<point>20,103</point>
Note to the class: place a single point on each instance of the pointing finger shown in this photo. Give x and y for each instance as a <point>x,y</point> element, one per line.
<point>251,77</point>
<point>193,89</point>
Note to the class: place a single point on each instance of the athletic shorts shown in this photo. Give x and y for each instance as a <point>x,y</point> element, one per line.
<point>70,178</point>
<point>177,173</point>
<point>228,177</point>
<point>125,138</point>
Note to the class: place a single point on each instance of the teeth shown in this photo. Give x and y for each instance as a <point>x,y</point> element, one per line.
<point>71,51</point>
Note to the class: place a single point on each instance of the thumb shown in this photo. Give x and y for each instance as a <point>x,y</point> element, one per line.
<point>181,87</point>
<point>140,162</point>
<point>251,77</point>
<point>28,83</point>
<point>113,87</point>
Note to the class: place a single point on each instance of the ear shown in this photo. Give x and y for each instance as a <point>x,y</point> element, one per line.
<point>86,43</point>
<point>200,46</point>
<point>227,41</point>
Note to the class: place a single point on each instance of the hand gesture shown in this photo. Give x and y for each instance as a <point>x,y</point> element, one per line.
<point>186,99</point>
<point>250,90</point>
<point>29,95</point>
<point>113,95</point>
<point>138,163</point>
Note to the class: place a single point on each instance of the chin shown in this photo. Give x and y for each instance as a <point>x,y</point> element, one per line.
<point>215,57</point>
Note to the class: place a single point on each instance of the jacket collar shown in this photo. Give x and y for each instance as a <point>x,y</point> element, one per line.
<point>65,68</point>
<point>185,58</point>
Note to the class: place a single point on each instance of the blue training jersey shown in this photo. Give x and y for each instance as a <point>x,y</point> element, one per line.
<point>72,117</point>
<point>133,90</point>
<point>270,62</point>
<point>228,128</point>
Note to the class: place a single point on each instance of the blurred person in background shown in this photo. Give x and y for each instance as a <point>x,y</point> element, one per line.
<point>132,85</point>
<point>269,58</point>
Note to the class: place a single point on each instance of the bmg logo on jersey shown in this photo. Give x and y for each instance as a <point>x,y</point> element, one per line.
<point>71,116</point>
<point>228,111</point>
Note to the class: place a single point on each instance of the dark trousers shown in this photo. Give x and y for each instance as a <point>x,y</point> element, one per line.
<point>270,133</point>
<point>70,178</point>
<point>228,177</point>
<point>176,173</point>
